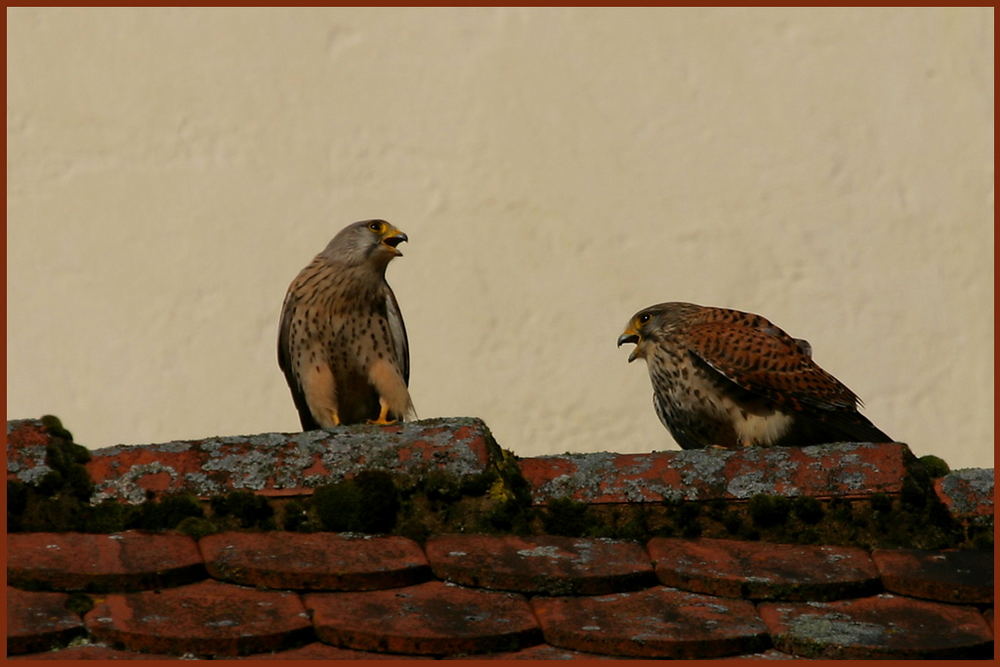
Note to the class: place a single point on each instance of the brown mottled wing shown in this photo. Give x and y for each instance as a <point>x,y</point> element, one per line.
<point>397,331</point>
<point>285,363</point>
<point>767,361</point>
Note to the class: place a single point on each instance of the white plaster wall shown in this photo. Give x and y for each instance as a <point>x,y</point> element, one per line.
<point>170,170</point>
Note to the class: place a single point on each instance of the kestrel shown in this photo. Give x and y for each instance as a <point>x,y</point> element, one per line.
<point>732,379</point>
<point>341,341</point>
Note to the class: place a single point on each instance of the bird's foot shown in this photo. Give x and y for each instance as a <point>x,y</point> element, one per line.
<point>383,415</point>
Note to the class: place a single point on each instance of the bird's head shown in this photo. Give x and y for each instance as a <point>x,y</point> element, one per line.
<point>371,241</point>
<point>650,324</point>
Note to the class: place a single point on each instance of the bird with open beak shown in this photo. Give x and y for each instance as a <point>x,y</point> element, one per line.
<point>732,379</point>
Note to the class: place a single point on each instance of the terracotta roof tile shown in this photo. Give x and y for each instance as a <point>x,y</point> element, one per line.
<point>545,652</point>
<point>541,564</point>
<point>764,571</point>
<point>321,651</point>
<point>467,564</point>
<point>89,562</point>
<point>205,619</point>
<point>94,652</point>
<point>289,462</point>
<point>948,576</point>
<point>314,561</point>
<point>659,622</point>
<point>967,492</point>
<point>836,470</point>
<point>883,626</point>
<point>428,619</point>
<point>39,621</point>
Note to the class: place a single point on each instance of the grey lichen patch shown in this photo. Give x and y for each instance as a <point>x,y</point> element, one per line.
<point>837,629</point>
<point>247,468</point>
<point>126,487</point>
<point>34,474</point>
<point>957,484</point>
<point>700,467</point>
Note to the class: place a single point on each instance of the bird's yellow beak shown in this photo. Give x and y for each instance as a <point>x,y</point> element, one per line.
<point>391,238</point>
<point>630,335</point>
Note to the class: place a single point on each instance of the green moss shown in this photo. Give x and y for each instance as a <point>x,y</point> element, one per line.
<point>197,527</point>
<point>245,509</point>
<point>565,516</point>
<point>934,466</point>
<point>167,512</point>
<point>53,426</point>
<point>368,503</point>
<point>767,510</point>
<point>880,502</point>
<point>295,516</point>
<point>807,509</point>
<point>79,603</point>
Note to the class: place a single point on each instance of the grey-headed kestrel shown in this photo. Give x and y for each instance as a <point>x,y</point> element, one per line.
<point>731,379</point>
<point>341,342</point>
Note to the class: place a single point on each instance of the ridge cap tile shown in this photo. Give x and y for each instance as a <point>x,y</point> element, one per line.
<point>845,470</point>
<point>878,627</point>
<point>763,570</point>
<point>546,564</point>
<point>209,618</point>
<point>101,562</point>
<point>314,561</point>
<point>280,464</point>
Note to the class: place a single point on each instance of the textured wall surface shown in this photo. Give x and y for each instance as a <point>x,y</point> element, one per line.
<point>170,170</point>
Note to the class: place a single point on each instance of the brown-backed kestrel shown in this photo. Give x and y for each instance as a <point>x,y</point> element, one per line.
<point>732,379</point>
<point>341,341</point>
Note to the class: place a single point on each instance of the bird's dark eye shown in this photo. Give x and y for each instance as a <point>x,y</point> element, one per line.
<point>375,226</point>
<point>643,318</point>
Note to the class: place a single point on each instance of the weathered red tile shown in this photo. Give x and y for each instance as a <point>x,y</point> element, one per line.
<point>545,652</point>
<point>948,576</point>
<point>845,470</point>
<point>94,652</point>
<point>428,619</point>
<point>655,623</point>
<point>88,562</point>
<point>548,564</point>
<point>290,462</point>
<point>321,651</point>
<point>205,619</point>
<point>883,626</point>
<point>764,571</point>
<point>967,492</point>
<point>38,621</point>
<point>769,654</point>
<point>26,441</point>
<point>315,561</point>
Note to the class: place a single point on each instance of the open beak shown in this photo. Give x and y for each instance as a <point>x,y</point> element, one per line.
<point>630,335</point>
<point>392,238</point>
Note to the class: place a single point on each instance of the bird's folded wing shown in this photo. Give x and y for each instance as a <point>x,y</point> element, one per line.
<point>767,362</point>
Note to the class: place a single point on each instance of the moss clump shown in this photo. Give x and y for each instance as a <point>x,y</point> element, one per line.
<point>244,509</point>
<point>168,512</point>
<point>367,503</point>
<point>197,527</point>
<point>54,427</point>
<point>79,603</point>
<point>565,516</point>
<point>934,466</point>
<point>767,511</point>
<point>807,509</point>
